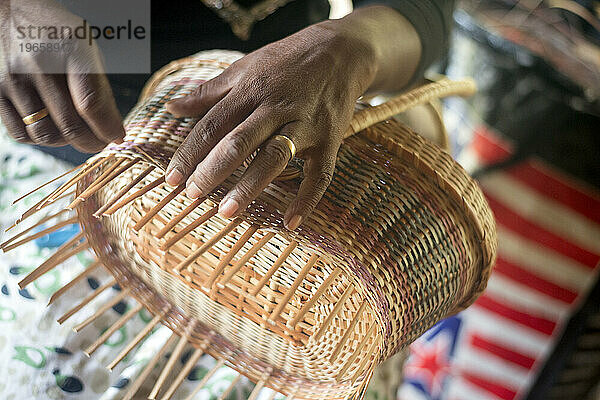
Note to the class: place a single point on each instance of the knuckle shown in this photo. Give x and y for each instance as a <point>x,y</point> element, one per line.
<point>188,153</point>
<point>310,201</point>
<point>323,179</point>
<point>199,90</point>
<point>258,83</point>
<point>44,137</point>
<point>244,191</point>
<point>74,131</point>
<point>255,82</point>
<point>236,145</point>
<point>19,135</point>
<point>284,104</point>
<point>304,204</point>
<point>278,153</point>
<point>89,103</point>
<point>206,131</point>
<point>200,177</point>
<point>14,80</point>
<point>183,160</point>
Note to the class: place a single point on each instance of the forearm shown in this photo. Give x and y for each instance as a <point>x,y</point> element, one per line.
<point>391,40</point>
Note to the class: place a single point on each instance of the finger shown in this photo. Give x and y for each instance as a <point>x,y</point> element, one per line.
<point>231,151</point>
<point>54,92</point>
<point>318,173</point>
<point>217,122</point>
<point>266,166</point>
<point>27,101</point>
<point>205,96</point>
<point>13,122</point>
<point>93,99</point>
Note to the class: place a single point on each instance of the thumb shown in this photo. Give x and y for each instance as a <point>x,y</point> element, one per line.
<point>202,99</point>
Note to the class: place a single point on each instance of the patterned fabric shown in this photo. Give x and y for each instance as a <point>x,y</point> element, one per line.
<point>41,359</point>
<point>548,254</point>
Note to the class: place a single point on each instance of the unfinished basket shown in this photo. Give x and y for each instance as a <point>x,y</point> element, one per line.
<point>402,238</point>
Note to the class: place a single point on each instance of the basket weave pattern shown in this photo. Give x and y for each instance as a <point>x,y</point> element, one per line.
<point>402,238</point>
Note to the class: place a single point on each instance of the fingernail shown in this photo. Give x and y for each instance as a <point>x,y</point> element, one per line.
<point>173,177</point>
<point>192,191</point>
<point>294,222</point>
<point>228,207</point>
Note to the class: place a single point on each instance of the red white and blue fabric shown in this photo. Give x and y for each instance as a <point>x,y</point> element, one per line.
<point>549,248</point>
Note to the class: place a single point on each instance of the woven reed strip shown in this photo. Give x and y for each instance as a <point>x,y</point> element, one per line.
<point>107,176</point>
<point>90,166</point>
<point>105,307</point>
<point>7,246</point>
<point>173,358</point>
<point>150,214</point>
<point>134,196</point>
<point>38,223</point>
<point>79,277</point>
<point>280,260</point>
<point>37,207</point>
<point>86,301</point>
<point>64,252</point>
<point>135,341</point>
<point>224,262</point>
<point>123,191</point>
<point>230,388</point>
<point>112,329</point>
<point>450,176</point>
<point>47,183</point>
<point>368,117</point>
<point>234,362</point>
<point>187,368</point>
<point>206,378</point>
<point>174,221</point>
<point>292,290</point>
<point>139,380</point>
<point>189,228</point>
<point>244,259</point>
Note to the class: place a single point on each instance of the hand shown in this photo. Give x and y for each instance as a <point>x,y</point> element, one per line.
<point>82,111</point>
<point>303,87</point>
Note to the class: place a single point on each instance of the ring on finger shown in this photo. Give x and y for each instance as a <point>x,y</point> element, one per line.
<point>288,142</point>
<point>35,117</point>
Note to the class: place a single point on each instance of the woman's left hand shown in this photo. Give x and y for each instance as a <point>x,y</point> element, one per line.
<point>303,87</point>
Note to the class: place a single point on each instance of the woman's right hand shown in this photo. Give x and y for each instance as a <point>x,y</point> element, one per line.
<point>81,108</point>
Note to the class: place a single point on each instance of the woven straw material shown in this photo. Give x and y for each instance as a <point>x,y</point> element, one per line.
<point>402,238</point>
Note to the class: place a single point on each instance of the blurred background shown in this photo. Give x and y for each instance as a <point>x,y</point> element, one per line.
<point>531,136</point>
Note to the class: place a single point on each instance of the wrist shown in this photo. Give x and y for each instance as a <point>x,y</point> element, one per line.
<point>390,40</point>
<point>354,48</point>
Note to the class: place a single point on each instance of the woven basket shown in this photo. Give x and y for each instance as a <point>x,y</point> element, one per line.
<point>402,238</point>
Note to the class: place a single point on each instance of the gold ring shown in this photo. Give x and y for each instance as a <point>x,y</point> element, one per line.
<point>288,143</point>
<point>36,116</point>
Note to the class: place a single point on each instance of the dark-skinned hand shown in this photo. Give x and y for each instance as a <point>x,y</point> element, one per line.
<point>81,107</point>
<point>303,87</point>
